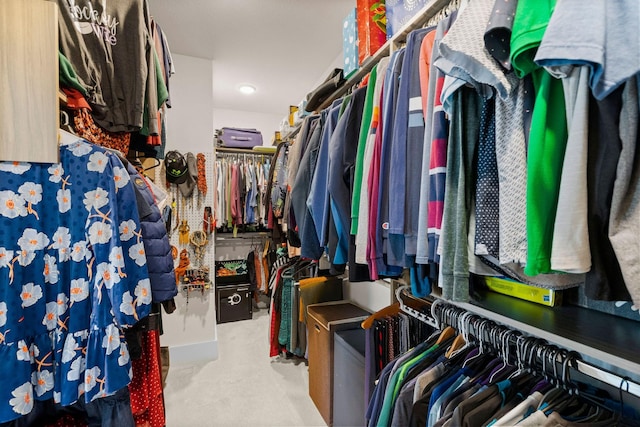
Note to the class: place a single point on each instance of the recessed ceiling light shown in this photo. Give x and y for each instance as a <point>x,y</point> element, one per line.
<point>247,89</point>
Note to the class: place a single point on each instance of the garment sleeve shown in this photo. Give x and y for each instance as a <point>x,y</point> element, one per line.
<point>114,231</point>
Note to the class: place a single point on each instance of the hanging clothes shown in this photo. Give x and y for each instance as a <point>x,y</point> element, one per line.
<point>240,190</point>
<point>56,342</point>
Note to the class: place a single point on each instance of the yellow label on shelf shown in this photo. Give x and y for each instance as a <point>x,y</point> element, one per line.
<point>548,297</point>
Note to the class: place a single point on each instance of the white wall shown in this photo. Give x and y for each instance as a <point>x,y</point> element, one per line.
<point>190,332</point>
<point>189,126</point>
<point>265,123</point>
<point>369,295</point>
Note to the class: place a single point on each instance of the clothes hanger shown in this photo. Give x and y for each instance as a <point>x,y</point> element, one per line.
<point>390,310</point>
<point>65,137</point>
<point>461,341</point>
<point>65,123</point>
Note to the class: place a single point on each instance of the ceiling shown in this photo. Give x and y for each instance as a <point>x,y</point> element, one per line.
<point>282,47</point>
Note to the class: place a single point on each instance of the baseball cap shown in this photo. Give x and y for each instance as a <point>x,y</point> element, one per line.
<point>177,170</point>
<point>186,187</point>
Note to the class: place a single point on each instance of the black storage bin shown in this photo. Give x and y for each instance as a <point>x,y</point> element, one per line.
<point>233,302</point>
<point>348,378</point>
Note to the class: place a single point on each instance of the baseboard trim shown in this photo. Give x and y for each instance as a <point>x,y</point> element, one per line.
<point>197,352</point>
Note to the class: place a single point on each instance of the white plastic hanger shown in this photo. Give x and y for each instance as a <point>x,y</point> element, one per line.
<point>66,137</point>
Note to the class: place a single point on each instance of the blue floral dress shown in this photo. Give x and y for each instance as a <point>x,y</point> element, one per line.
<point>72,274</point>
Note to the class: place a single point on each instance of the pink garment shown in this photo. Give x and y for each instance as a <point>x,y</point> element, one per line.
<point>236,202</point>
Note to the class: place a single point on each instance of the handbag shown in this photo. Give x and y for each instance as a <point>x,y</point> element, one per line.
<point>238,137</point>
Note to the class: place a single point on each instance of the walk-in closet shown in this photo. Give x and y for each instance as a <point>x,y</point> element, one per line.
<point>374,213</point>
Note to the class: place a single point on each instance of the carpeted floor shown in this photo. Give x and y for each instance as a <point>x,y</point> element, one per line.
<point>244,387</point>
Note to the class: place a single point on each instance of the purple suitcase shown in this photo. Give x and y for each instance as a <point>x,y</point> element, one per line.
<point>238,138</point>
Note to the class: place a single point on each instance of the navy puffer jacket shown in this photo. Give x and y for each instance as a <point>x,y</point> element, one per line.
<point>156,241</point>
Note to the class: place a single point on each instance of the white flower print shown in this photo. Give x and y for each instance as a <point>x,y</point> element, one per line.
<point>17,168</point>
<point>5,257</point>
<point>111,341</point>
<point>62,302</point>
<point>80,149</point>
<point>34,351</point>
<point>79,251</point>
<point>90,377</point>
<point>23,352</point>
<point>126,306</point>
<point>126,230</point>
<point>3,313</point>
<point>56,172</point>
<point>12,205</point>
<point>32,240</point>
<point>136,252</point>
<point>64,254</point>
<point>30,294</point>
<point>64,200</point>
<point>79,290</point>
<point>120,176</point>
<point>83,334</point>
<point>95,199</point>
<point>51,272</point>
<point>61,238</point>
<point>124,355</point>
<point>51,317</point>
<point>25,257</point>
<point>77,367</point>
<point>31,192</point>
<point>22,402</point>
<point>57,396</point>
<point>43,382</point>
<point>143,292</point>
<point>69,350</point>
<point>108,274</point>
<point>97,162</point>
<point>116,258</point>
<point>99,232</point>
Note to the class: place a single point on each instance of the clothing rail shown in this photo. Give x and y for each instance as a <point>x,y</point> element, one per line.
<point>583,367</point>
<point>412,311</point>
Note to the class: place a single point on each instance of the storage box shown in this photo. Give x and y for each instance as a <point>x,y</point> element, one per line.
<point>323,321</point>
<point>233,303</point>
<point>548,297</point>
<point>348,378</point>
<point>399,12</point>
<point>372,27</point>
<point>238,138</point>
<point>350,44</point>
<point>231,272</point>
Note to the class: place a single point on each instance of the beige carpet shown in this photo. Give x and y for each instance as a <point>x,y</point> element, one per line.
<point>244,387</point>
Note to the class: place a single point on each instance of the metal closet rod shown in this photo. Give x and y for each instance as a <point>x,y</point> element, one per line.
<point>588,369</point>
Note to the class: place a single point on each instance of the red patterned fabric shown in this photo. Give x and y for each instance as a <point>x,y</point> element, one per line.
<point>86,128</point>
<point>147,400</point>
